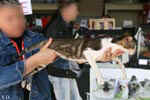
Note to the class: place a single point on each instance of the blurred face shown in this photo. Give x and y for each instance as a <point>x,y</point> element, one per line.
<point>71,12</point>
<point>12,21</point>
<point>74,11</point>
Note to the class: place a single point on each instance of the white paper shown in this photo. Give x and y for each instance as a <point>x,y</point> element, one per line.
<point>84,23</point>
<point>127,23</point>
<point>27,6</point>
<point>143,61</point>
<point>38,22</point>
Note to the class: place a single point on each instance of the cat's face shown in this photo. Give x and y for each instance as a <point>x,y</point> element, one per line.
<point>127,42</point>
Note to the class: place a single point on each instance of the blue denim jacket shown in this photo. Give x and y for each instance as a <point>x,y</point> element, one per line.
<point>11,74</point>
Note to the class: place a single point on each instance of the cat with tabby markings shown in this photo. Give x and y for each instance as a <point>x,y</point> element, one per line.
<point>72,49</point>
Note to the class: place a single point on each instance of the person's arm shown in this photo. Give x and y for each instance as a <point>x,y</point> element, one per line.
<point>13,74</point>
<point>43,57</point>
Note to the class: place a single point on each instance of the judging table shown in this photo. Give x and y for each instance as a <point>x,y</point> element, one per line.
<point>112,71</point>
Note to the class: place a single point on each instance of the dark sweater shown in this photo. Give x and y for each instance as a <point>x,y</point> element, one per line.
<point>58,28</point>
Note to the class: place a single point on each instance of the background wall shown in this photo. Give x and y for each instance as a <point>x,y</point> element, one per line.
<point>91,7</point>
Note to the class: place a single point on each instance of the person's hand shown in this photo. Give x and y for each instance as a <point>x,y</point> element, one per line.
<point>117,53</point>
<point>46,55</point>
<point>43,57</point>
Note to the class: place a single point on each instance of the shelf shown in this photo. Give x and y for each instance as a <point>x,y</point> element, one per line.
<point>130,7</point>
<point>44,6</point>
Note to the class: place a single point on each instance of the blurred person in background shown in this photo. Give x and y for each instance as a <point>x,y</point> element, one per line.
<point>60,26</point>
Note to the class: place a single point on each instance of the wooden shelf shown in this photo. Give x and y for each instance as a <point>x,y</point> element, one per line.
<point>124,11</point>
<point>130,7</point>
<point>44,6</point>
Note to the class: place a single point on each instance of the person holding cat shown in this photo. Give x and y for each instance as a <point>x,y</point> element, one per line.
<point>14,69</point>
<point>60,27</point>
